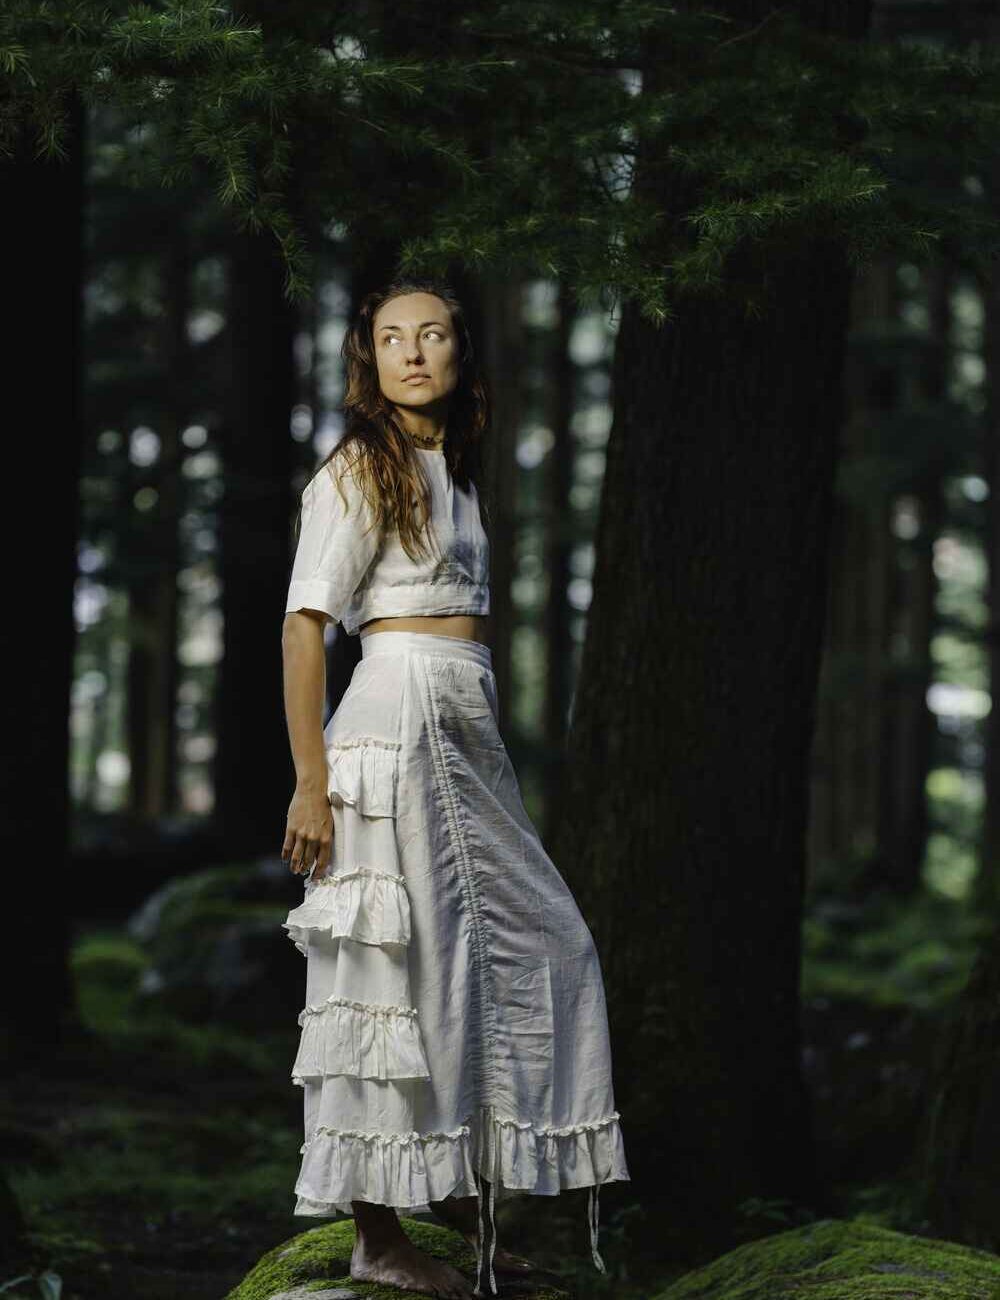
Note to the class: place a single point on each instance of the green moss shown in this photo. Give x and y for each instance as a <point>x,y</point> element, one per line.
<point>321,1258</point>
<point>213,1048</point>
<point>160,1163</point>
<point>835,1259</point>
<point>65,1250</point>
<point>221,892</point>
<point>107,967</point>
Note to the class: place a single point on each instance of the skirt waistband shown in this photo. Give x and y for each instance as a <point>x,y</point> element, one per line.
<point>428,643</point>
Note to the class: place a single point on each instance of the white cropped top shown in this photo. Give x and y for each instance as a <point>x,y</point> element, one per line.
<point>345,569</point>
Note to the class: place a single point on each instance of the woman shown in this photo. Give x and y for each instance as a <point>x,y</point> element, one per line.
<point>455,1019</point>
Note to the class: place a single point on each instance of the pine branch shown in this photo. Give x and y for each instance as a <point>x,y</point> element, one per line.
<point>775,132</point>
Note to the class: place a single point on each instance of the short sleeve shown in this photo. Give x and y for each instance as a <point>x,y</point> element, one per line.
<point>337,542</point>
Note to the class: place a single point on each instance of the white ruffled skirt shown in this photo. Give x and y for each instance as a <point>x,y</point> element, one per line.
<point>455,1019</point>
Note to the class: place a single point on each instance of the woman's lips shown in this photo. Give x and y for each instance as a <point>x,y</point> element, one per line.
<point>415,379</point>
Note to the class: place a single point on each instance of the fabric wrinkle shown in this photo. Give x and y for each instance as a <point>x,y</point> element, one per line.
<point>454,1026</point>
<point>344,568</point>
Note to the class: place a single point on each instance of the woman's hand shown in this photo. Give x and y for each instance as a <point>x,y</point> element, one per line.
<point>309,831</point>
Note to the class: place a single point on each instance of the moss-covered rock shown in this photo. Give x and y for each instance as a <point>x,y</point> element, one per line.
<point>836,1259</point>
<point>317,1264</point>
<point>216,949</point>
<point>108,967</point>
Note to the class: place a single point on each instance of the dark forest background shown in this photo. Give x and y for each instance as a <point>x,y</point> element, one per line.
<point>732,273</point>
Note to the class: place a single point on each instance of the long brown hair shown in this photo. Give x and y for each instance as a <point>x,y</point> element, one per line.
<point>387,467</point>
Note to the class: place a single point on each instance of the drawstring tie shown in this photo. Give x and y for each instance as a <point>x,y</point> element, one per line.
<point>492,1128</point>
<point>491,1133</point>
<point>593,1210</point>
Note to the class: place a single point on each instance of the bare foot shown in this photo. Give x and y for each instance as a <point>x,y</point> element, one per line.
<point>402,1264</point>
<point>461,1213</point>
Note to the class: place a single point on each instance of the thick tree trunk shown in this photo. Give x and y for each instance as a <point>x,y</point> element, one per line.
<point>693,724</point>
<point>958,1161</point>
<point>253,769</point>
<point>42,226</point>
<point>42,236</point>
<point>874,743</point>
<point>694,719</point>
<point>850,806</point>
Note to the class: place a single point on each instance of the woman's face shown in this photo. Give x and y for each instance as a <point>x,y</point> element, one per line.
<point>413,336</point>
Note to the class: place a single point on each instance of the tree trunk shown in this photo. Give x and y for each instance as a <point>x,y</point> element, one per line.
<point>253,766</point>
<point>693,722</point>
<point>558,549</point>
<point>988,878</point>
<point>958,1146</point>
<point>153,596</point>
<point>851,810</point>
<point>914,723</point>
<point>504,359</point>
<point>958,1149</point>
<point>874,744</point>
<point>43,241</point>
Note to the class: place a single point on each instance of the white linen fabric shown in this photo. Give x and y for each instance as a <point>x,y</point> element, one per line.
<point>345,569</point>
<point>455,1022</point>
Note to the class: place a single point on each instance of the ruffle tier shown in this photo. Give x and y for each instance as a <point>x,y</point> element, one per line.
<point>362,1063</point>
<point>408,1169</point>
<point>411,1169</point>
<point>361,771</point>
<point>361,903</point>
<point>365,1040</point>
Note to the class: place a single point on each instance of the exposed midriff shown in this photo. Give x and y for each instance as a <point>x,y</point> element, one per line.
<point>473,627</point>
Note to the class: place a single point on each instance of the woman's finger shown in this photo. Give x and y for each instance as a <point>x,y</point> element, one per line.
<point>298,853</point>
<point>323,852</point>
<point>305,851</point>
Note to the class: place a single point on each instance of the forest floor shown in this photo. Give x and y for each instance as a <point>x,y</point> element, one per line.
<point>159,1162</point>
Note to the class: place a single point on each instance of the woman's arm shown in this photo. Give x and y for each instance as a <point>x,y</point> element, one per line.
<point>337,543</point>
<point>309,829</point>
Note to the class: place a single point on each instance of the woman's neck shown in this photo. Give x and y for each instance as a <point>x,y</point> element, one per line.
<point>425,426</point>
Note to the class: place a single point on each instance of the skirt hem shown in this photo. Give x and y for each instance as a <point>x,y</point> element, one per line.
<point>408,1170</point>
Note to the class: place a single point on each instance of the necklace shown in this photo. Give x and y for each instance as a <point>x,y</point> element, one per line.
<point>426,443</point>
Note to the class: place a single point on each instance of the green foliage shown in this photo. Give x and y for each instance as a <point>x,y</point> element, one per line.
<point>913,952</point>
<point>539,146</point>
<point>162,1128</point>
<point>108,966</point>
<point>899,1204</point>
<point>153,1159</point>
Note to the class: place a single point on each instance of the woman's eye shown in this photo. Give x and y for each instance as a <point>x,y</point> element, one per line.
<point>394,338</point>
